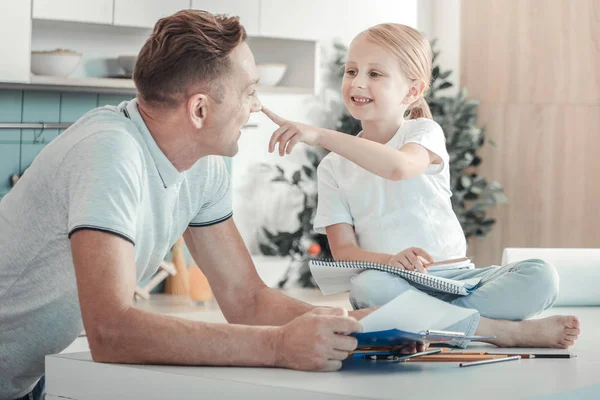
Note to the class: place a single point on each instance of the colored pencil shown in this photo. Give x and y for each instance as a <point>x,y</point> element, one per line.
<point>483,362</point>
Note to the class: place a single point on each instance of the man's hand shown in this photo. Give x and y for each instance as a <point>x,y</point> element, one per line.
<point>413,348</point>
<point>290,133</point>
<point>317,341</point>
<point>408,349</point>
<point>411,259</point>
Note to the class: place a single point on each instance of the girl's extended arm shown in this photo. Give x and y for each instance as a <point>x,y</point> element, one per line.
<point>389,163</point>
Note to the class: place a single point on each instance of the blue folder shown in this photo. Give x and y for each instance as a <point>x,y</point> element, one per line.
<point>396,337</point>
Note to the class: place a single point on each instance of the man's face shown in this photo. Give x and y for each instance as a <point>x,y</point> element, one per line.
<point>238,100</point>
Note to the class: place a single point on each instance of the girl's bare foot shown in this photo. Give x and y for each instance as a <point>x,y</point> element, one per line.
<point>559,331</point>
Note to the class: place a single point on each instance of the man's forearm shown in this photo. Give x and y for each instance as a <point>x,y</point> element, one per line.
<point>286,309</point>
<point>272,307</point>
<point>136,336</point>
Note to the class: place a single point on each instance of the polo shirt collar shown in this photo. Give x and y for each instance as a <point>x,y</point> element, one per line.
<point>166,170</point>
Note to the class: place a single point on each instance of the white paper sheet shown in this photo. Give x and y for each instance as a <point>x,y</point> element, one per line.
<point>467,264</point>
<point>415,312</point>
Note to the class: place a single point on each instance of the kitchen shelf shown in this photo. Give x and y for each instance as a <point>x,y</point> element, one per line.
<point>89,84</point>
<point>113,85</point>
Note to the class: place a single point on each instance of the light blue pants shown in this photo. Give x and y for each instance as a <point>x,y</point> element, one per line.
<point>514,292</point>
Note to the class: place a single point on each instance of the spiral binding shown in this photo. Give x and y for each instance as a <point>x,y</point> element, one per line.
<point>432,282</point>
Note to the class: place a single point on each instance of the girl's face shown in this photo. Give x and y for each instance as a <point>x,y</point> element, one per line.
<point>374,87</point>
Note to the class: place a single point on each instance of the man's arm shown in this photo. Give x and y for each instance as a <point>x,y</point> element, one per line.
<point>119,333</point>
<point>242,296</point>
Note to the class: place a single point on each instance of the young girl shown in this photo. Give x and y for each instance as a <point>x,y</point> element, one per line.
<point>388,190</point>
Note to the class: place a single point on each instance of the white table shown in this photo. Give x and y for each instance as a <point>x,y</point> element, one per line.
<point>75,376</point>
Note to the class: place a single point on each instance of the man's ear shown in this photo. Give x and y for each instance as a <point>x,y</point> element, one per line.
<point>197,108</point>
<point>415,91</point>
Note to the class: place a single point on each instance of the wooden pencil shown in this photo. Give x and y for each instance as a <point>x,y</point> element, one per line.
<point>448,358</point>
<point>450,351</point>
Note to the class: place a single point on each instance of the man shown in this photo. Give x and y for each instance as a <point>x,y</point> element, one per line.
<point>102,204</point>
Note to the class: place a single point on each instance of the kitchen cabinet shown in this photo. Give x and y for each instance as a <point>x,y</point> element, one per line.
<point>16,45</point>
<point>291,33</point>
<point>308,19</point>
<point>329,19</point>
<point>378,12</point>
<point>145,13</point>
<point>247,10</point>
<point>91,11</point>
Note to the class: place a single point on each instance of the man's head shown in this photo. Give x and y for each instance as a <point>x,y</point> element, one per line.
<point>198,65</point>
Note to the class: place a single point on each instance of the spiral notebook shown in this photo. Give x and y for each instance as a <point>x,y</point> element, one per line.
<point>336,276</point>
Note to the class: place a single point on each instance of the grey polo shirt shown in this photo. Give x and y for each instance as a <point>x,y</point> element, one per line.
<point>105,172</point>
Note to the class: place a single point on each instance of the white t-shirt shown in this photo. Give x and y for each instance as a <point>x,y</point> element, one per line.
<point>107,173</point>
<point>390,216</point>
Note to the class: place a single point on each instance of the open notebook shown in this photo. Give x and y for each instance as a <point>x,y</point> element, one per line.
<point>335,276</point>
<point>400,322</point>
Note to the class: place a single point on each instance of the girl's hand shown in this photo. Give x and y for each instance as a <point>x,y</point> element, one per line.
<point>411,259</point>
<point>289,133</point>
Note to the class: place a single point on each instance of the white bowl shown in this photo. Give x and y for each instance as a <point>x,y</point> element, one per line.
<point>127,63</point>
<point>270,74</point>
<point>54,63</point>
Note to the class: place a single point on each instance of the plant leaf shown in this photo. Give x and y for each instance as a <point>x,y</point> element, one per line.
<point>267,250</point>
<point>307,171</point>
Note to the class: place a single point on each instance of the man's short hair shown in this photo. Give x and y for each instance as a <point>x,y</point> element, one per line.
<point>186,51</point>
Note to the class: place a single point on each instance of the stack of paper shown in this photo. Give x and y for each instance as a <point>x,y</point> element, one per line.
<point>409,317</point>
<point>459,263</point>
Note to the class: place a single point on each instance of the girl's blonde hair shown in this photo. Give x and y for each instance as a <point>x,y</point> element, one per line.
<point>415,56</point>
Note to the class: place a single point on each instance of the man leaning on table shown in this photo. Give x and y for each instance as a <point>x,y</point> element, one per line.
<point>102,204</point>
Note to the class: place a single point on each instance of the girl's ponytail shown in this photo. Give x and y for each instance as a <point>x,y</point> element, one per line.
<point>419,109</point>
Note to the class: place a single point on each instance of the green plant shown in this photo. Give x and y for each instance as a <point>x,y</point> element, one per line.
<point>472,194</point>
<point>297,245</point>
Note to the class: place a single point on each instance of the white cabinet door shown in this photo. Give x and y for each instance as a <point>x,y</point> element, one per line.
<point>16,46</point>
<point>306,19</point>
<point>378,12</point>
<point>247,10</point>
<point>94,11</point>
<point>145,13</point>
<point>328,19</point>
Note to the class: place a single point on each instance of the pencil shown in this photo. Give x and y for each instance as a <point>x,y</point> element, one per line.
<point>513,354</point>
<point>482,362</point>
<point>450,358</point>
<point>554,355</point>
<point>476,353</point>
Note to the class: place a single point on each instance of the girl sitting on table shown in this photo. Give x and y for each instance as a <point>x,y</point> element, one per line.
<point>384,197</point>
